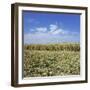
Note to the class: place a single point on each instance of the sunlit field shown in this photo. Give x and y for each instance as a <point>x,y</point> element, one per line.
<point>51,60</point>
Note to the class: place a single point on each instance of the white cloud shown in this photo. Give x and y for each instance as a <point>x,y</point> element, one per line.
<point>53,27</point>
<point>58,31</point>
<point>41,29</point>
<point>53,34</point>
<point>44,38</point>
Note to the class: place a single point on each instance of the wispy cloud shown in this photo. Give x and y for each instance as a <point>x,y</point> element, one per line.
<point>53,27</point>
<point>41,29</point>
<point>51,34</point>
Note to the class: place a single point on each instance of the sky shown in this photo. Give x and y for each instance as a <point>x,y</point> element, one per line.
<point>44,28</point>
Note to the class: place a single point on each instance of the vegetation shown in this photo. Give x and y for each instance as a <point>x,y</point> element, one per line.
<point>51,60</point>
<point>54,47</point>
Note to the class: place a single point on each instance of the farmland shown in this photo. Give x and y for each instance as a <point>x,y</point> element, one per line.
<point>41,60</point>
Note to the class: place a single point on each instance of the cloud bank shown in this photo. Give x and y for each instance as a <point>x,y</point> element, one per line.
<point>51,34</point>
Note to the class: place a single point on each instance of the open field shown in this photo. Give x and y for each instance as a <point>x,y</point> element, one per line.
<point>51,60</point>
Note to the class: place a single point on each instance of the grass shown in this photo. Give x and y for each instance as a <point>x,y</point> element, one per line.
<point>57,60</point>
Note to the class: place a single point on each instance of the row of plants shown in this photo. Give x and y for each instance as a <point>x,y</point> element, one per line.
<point>54,47</point>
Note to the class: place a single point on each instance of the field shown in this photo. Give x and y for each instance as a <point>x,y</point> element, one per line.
<point>51,60</point>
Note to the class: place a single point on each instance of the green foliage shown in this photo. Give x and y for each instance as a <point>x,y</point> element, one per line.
<point>49,60</point>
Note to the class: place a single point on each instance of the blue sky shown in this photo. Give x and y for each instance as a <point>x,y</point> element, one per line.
<point>43,28</point>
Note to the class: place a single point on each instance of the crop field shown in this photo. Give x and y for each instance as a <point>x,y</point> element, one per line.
<point>51,60</point>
